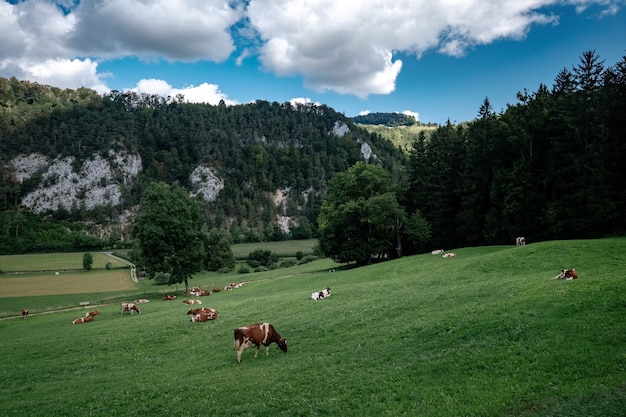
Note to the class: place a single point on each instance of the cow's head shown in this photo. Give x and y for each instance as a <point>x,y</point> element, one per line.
<point>282,344</point>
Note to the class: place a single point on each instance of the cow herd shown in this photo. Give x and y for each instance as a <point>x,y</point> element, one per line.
<point>443,253</point>
<point>258,334</point>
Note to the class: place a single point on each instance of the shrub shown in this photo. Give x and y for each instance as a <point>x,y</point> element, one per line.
<point>287,263</point>
<point>299,255</point>
<point>109,265</point>
<point>243,270</point>
<point>162,278</point>
<point>307,259</point>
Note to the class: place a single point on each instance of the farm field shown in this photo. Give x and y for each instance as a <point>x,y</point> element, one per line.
<point>287,248</point>
<point>488,333</point>
<point>55,262</point>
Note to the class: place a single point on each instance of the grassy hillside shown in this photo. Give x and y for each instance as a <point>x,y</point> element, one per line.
<point>402,136</point>
<point>488,333</point>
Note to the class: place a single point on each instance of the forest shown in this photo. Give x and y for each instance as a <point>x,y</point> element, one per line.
<point>549,166</point>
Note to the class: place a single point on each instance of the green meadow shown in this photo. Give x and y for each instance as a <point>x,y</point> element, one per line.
<point>488,333</point>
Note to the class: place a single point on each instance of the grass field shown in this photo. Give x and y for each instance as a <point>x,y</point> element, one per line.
<point>488,333</point>
<point>52,262</point>
<point>282,248</point>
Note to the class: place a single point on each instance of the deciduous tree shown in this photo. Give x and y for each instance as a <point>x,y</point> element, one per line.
<point>168,231</point>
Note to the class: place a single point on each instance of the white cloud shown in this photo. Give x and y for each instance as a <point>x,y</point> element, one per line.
<point>334,45</point>
<point>175,30</point>
<point>412,113</point>
<point>303,100</point>
<point>204,93</point>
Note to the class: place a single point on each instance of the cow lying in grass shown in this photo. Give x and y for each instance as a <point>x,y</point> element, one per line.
<point>82,320</point>
<point>202,314</point>
<point>319,295</point>
<point>567,274</point>
<point>256,335</point>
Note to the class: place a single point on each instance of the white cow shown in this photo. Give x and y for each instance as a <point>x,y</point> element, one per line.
<point>319,295</point>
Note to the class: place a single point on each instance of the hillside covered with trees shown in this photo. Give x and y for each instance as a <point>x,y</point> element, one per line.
<point>550,166</point>
<point>258,150</point>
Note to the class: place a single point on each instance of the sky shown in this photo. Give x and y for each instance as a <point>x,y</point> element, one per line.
<point>435,59</point>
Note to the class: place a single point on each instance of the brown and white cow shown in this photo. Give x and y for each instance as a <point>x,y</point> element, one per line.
<point>25,312</point>
<point>449,255</point>
<point>169,297</point>
<point>141,301</point>
<point>92,313</point>
<point>82,320</point>
<point>192,302</point>
<point>233,285</point>
<point>204,316</point>
<point>131,307</point>
<point>202,310</point>
<point>256,335</point>
<point>567,274</point>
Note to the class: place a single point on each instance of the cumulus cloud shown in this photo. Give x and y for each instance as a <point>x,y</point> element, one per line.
<point>412,113</point>
<point>333,45</point>
<point>204,93</point>
<point>303,100</point>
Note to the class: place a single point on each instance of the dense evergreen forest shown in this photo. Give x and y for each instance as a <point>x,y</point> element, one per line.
<point>255,148</point>
<point>386,119</point>
<point>550,166</point>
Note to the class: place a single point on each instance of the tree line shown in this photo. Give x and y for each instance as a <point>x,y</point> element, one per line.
<point>549,167</point>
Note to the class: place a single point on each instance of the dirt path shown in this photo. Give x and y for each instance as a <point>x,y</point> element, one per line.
<point>133,269</point>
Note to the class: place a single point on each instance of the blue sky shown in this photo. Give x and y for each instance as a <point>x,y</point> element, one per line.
<point>438,59</point>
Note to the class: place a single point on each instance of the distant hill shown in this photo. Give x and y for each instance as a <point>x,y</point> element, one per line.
<point>386,119</point>
<point>401,136</point>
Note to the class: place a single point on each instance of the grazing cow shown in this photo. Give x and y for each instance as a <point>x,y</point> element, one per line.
<point>192,302</point>
<point>82,320</point>
<point>449,255</point>
<point>319,295</point>
<point>129,307</point>
<point>25,312</point>
<point>92,313</point>
<point>567,274</point>
<point>437,252</point>
<point>169,297</point>
<point>141,301</point>
<point>257,335</point>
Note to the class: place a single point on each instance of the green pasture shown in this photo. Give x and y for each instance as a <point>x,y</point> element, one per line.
<point>488,333</point>
<point>287,248</point>
<point>55,262</point>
